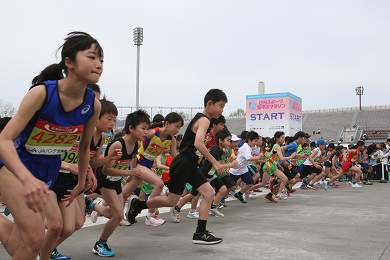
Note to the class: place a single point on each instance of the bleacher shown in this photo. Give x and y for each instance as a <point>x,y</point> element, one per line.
<point>330,124</point>
<point>378,135</point>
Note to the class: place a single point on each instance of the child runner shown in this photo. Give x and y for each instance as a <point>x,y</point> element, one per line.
<point>223,142</point>
<point>349,164</point>
<point>51,117</point>
<point>312,169</point>
<point>216,125</point>
<point>109,176</point>
<point>243,159</point>
<point>185,167</point>
<point>271,166</point>
<point>157,140</point>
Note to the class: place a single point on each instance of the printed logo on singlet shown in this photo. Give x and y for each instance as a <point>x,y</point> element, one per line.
<point>50,139</point>
<point>85,109</point>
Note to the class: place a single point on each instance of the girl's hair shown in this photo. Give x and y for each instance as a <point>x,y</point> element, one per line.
<point>222,134</point>
<point>305,145</point>
<point>277,135</point>
<point>136,118</point>
<point>108,107</point>
<point>74,42</point>
<point>179,137</point>
<point>3,122</point>
<point>243,134</point>
<point>158,118</point>
<point>94,87</point>
<point>216,121</point>
<point>289,139</point>
<point>171,118</point>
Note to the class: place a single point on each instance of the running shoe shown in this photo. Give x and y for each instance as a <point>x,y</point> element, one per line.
<point>222,204</point>
<point>326,185</point>
<point>240,197</point>
<point>132,212</point>
<point>193,215</point>
<point>94,216</point>
<point>355,185</point>
<point>124,223</point>
<point>205,238</point>
<point>57,256</point>
<point>280,197</point>
<point>367,183</point>
<point>257,190</point>
<point>175,215</point>
<point>94,213</point>
<point>216,213</point>
<point>102,250</point>
<point>312,186</point>
<point>88,203</point>
<point>303,187</point>
<point>270,199</point>
<point>335,185</point>
<point>154,221</point>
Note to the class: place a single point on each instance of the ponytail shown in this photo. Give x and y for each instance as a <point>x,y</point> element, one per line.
<point>51,72</point>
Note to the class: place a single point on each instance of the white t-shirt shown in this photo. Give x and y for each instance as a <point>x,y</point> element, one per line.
<point>255,152</point>
<point>318,154</point>
<point>244,153</point>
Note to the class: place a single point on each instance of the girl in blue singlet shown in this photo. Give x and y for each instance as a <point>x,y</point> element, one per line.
<point>51,117</point>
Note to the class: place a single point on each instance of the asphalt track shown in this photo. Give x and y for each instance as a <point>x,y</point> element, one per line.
<point>343,223</point>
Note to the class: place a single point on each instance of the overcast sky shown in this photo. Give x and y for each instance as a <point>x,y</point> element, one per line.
<point>318,50</point>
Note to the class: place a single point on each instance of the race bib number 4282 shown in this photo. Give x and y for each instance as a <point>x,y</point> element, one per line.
<point>51,139</point>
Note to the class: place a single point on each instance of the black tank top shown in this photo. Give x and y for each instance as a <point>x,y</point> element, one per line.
<point>125,155</point>
<point>93,147</point>
<point>187,146</point>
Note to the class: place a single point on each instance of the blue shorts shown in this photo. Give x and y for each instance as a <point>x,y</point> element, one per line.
<point>43,167</point>
<point>246,178</point>
<point>145,162</point>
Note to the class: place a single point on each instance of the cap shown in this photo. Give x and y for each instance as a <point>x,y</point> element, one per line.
<point>301,134</point>
<point>235,138</point>
<point>321,141</point>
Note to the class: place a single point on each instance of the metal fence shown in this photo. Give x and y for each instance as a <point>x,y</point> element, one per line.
<point>186,112</point>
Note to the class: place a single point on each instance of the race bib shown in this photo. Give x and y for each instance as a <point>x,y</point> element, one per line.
<point>50,139</point>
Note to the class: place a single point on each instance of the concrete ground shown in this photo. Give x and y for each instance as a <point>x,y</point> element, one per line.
<point>343,223</point>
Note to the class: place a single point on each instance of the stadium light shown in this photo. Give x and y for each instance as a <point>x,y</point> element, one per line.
<point>138,38</point>
<point>359,92</point>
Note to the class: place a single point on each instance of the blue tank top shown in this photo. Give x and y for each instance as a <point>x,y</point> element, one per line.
<point>52,130</point>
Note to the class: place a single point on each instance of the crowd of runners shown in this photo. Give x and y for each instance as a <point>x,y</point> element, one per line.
<point>61,160</point>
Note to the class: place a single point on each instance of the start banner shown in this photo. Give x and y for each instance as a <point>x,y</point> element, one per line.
<point>268,113</point>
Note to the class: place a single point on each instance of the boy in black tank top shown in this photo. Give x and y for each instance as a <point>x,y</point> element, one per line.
<point>109,176</point>
<point>184,168</point>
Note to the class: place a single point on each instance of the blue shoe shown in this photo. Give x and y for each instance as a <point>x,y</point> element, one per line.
<point>57,256</point>
<point>102,250</point>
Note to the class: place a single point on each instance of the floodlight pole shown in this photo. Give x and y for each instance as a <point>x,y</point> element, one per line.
<point>359,92</point>
<point>138,39</point>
